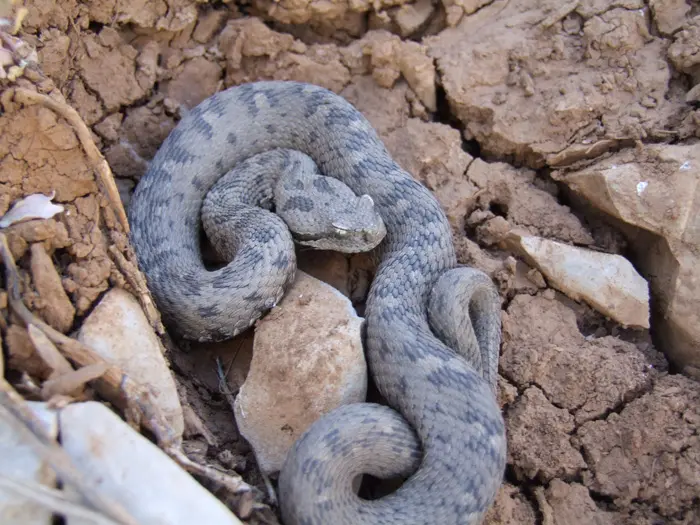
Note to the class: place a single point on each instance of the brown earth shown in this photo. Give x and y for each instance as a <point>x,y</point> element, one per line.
<point>479,100</point>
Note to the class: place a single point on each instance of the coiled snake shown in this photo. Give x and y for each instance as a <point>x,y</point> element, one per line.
<point>446,432</point>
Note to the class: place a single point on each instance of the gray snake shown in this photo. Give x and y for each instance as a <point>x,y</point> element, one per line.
<point>444,431</point>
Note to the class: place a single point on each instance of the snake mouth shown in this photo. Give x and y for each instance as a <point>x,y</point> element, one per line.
<point>303,238</point>
<point>350,241</point>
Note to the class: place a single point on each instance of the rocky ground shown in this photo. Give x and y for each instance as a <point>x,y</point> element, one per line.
<point>559,137</point>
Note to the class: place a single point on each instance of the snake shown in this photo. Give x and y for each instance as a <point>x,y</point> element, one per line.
<point>432,327</point>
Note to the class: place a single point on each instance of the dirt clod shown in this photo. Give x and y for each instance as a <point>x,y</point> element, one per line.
<point>543,346</point>
<point>570,503</point>
<point>650,451</point>
<point>551,455</point>
<point>53,302</point>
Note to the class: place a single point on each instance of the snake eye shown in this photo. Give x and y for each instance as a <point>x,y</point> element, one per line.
<point>340,229</point>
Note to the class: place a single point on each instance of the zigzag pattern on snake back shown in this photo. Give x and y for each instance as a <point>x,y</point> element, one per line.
<point>448,436</point>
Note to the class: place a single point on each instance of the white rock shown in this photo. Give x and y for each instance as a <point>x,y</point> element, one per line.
<point>657,189</point>
<point>307,360</point>
<point>655,199</point>
<point>332,268</point>
<point>118,330</point>
<point>20,462</point>
<point>129,469</point>
<point>609,283</point>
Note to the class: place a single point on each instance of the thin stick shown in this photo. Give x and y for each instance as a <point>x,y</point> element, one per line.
<point>232,483</point>
<point>48,352</point>
<point>73,382</point>
<point>230,396</point>
<point>136,280</point>
<point>224,389</point>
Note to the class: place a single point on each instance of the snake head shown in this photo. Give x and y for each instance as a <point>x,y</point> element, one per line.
<point>361,228</point>
<point>332,217</point>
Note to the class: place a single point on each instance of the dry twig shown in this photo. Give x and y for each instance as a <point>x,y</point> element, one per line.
<point>72,383</point>
<point>232,483</point>
<point>48,352</point>
<point>136,281</point>
<point>230,396</point>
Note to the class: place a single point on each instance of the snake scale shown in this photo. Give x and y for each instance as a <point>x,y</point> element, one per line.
<point>444,431</point>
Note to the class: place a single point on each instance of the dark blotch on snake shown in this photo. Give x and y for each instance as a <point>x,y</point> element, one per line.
<point>323,185</point>
<point>298,203</point>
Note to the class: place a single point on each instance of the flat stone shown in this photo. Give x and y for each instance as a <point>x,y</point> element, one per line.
<point>307,360</point>
<point>639,188</point>
<point>655,192</point>
<point>20,462</point>
<point>118,330</point>
<point>129,469</point>
<point>609,283</point>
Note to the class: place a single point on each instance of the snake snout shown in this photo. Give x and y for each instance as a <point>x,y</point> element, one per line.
<point>371,236</point>
<point>375,234</point>
<point>374,230</point>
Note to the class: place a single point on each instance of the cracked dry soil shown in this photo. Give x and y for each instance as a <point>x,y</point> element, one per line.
<point>477,99</point>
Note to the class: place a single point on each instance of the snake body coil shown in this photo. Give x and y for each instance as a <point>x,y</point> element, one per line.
<point>448,436</point>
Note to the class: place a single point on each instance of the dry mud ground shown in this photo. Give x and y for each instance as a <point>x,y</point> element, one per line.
<point>479,100</point>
